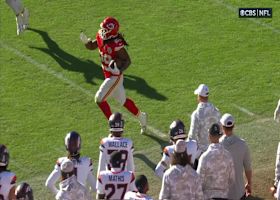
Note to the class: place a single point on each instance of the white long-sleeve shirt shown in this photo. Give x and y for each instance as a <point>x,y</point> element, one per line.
<point>83,170</point>
<point>202,118</point>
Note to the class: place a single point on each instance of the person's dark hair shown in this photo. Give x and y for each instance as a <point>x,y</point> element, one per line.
<point>140,183</point>
<point>66,175</point>
<point>180,159</point>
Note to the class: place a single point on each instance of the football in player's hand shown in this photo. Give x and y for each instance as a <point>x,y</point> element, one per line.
<point>116,63</point>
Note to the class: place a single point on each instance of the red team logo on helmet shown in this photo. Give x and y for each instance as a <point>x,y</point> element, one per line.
<point>109,28</point>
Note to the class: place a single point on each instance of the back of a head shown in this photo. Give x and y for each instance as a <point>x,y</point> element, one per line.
<point>177,130</point>
<point>4,156</point>
<point>24,192</point>
<point>141,184</point>
<point>215,130</point>
<point>116,159</point>
<point>227,122</point>
<point>202,91</point>
<point>116,123</point>
<point>73,144</point>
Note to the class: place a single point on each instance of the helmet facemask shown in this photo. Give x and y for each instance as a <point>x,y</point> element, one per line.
<point>109,28</point>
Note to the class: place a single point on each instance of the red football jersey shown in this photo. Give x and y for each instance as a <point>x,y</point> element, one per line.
<point>108,52</point>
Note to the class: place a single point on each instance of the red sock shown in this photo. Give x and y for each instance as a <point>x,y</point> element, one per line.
<point>104,106</point>
<point>130,105</point>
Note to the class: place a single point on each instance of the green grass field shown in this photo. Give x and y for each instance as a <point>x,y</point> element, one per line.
<point>48,79</point>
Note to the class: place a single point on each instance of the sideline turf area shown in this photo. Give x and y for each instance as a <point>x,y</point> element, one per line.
<point>48,79</point>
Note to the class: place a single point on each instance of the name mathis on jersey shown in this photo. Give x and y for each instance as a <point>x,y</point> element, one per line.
<point>117,144</point>
<point>116,178</point>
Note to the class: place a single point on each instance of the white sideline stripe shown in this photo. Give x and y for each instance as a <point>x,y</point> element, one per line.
<point>61,77</point>
<point>258,22</point>
<point>242,109</point>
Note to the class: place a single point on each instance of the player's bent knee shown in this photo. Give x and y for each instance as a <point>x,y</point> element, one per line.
<point>98,98</point>
<point>122,101</point>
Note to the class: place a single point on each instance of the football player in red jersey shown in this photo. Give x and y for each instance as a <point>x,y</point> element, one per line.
<point>115,60</point>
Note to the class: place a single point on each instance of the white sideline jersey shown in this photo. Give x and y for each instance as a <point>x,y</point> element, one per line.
<point>115,184</point>
<point>136,196</point>
<point>7,182</point>
<point>83,170</point>
<point>192,150</point>
<point>202,118</point>
<point>110,144</point>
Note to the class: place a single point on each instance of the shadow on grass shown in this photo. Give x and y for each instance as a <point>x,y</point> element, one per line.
<point>160,141</point>
<point>67,61</point>
<point>146,160</point>
<point>141,86</point>
<point>90,69</point>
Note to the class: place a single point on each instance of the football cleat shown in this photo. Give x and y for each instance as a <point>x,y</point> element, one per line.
<point>19,22</point>
<point>25,16</point>
<point>143,122</point>
<point>116,122</point>
<point>22,21</point>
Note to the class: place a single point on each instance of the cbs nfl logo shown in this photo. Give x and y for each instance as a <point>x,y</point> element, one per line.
<point>255,12</point>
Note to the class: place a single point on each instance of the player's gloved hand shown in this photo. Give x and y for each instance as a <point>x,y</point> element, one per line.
<point>84,38</point>
<point>277,112</point>
<point>113,68</point>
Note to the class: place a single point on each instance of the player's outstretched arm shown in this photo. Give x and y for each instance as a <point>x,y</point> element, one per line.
<point>89,43</point>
